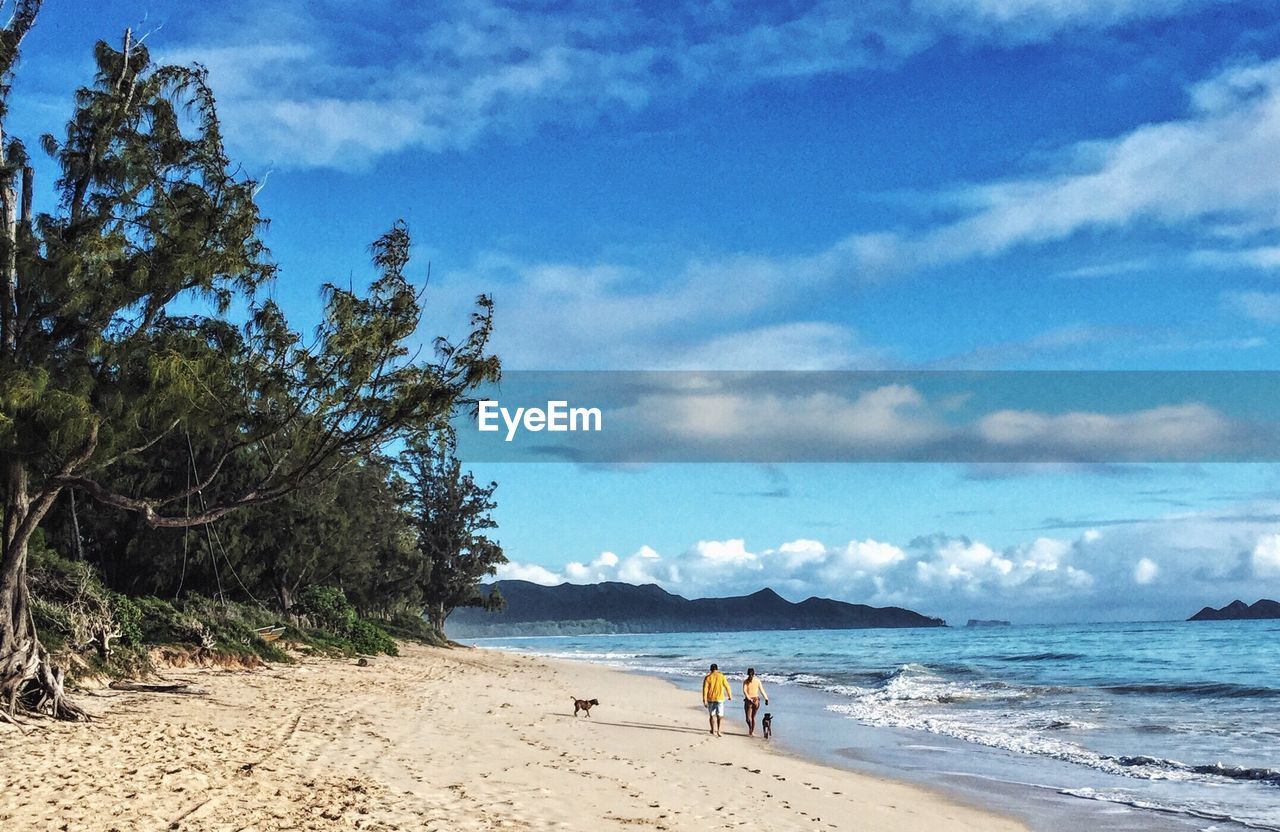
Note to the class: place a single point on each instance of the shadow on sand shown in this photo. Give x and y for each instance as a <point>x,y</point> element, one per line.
<point>649,726</point>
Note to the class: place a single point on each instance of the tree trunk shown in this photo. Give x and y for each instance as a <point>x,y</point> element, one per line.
<point>28,678</point>
<point>437,614</point>
<point>284,595</point>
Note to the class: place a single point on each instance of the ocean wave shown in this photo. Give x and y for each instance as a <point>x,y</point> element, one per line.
<point>988,712</point>
<point>1209,690</point>
<point>1040,657</point>
<point>920,683</point>
<point>1025,733</point>
<point>590,657</point>
<point>1257,774</point>
<point>1124,798</point>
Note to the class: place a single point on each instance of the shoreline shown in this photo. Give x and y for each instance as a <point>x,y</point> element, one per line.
<point>1035,791</point>
<point>461,739</point>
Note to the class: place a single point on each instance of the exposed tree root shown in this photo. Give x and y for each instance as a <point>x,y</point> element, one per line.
<point>31,684</point>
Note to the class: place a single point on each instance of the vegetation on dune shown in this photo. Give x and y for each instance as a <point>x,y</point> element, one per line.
<point>171,476</point>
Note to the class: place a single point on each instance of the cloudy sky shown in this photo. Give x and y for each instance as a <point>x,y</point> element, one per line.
<point>918,184</point>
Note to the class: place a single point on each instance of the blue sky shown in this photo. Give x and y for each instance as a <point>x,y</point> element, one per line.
<point>980,184</point>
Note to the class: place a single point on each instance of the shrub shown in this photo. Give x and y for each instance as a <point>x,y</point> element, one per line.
<point>328,609</point>
<point>405,625</point>
<point>367,637</point>
<point>128,617</point>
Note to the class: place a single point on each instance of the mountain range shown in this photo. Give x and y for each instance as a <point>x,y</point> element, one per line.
<point>612,607</point>
<point>1239,611</point>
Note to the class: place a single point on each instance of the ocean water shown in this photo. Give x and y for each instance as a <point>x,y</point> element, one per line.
<point>1177,722</point>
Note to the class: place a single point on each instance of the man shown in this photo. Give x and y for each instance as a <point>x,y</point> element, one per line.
<point>752,692</point>
<point>715,692</point>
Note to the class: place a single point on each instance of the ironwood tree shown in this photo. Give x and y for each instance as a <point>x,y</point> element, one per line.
<point>103,359</point>
<point>453,515</point>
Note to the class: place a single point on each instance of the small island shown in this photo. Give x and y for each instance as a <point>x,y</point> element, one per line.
<point>983,622</point>
<point>1240,611</point>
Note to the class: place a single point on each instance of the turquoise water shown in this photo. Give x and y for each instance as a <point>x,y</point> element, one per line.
<point>1177,718</point>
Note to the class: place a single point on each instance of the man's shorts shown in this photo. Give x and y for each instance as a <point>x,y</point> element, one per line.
<point>715,708</point>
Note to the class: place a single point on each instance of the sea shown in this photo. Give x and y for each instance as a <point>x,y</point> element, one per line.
<point>1142,726</point>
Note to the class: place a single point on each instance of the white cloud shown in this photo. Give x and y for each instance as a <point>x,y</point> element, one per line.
<point>513,571</point>
<point>728,552</point>
<point>868,569</point>
<point>1263,307</point>
<point>800,553</point>
<point>1197,558</point>
<point>871,554</point>
<point>1260,257</point>
<point>725,417</point>
<point>1145,571</point>
<point>887,418</point>
<point>1041,16</point>
<point>1266,557</point>
<point>1212,169</point>
<point>1171,431</point>
<point>1173,172</point>
<point>315,84</point>
<point>692,313</point>
<point>599,569</point>
<point>797,345</point>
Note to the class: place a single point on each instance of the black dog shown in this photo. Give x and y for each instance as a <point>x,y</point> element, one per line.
<point>766,725</point>
<point>584,705</point>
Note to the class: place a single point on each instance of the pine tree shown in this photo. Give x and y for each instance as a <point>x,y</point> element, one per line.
<point>452,513</point>
<point>97,369</point>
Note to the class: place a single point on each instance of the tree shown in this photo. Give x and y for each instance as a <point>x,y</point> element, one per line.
<point>452,514</point>
<point>97,367</point>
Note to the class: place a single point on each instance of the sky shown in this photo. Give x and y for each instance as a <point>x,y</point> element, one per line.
<point>892,184</point>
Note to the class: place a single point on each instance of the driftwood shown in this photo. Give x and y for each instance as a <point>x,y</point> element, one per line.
<point>12,720</point>
<point>168,687</point>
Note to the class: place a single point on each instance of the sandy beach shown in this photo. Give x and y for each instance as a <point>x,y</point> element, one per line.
<point>435,739</point>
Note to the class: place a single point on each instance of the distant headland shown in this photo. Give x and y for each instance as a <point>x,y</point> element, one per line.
<point>612,607</point>
<point>1240,611</point>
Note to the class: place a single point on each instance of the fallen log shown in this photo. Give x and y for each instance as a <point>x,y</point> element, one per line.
<point>168,687</point>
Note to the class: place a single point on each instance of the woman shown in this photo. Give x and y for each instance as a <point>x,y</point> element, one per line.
<point>752,692</point>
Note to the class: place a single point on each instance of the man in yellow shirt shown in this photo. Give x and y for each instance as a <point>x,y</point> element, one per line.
<point>715,692</point>
<point>752,692</point>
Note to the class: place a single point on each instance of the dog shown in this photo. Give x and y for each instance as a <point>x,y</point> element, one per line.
<point>766,725</point>
<point>584,705</point>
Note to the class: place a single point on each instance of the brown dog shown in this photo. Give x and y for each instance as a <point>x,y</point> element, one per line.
<point>767,725</point>
<point>584,705</point>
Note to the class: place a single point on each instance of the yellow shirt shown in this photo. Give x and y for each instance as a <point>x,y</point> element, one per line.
<point>754,688</point>
<point>715,688</point>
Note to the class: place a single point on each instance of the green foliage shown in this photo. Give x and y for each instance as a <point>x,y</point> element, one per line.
<point>413,627</point>
<point>114,389</point>
<point>368,637</point>
<point>328,609</point>
<point>128,617</point>
<point>69,602</point>
<point>216,455</point>
<point>452,514</point>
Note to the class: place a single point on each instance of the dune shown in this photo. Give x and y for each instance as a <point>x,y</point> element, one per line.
<point>432,740</point>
